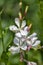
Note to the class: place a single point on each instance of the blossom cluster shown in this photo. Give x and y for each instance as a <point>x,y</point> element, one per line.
<point>22,39</point>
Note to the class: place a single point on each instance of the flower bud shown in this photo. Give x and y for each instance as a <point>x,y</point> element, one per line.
<point>20,16</point>
<point>26,9</point>
<point>20,4</point>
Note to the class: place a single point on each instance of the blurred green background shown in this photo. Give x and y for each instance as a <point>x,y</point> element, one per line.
<point>9,10</point>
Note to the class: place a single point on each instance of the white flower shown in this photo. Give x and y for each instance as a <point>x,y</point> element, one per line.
<point>22,40</point>
<point>13,28</point>
<point>19,45</point>
<point>21,33</point>
<point>14,49</point>
<point>18,35</point>
<point>31,40</point>
<point>31,63</point>
<point>18,26</point>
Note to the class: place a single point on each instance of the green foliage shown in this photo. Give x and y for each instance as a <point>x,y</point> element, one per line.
<point>9,9</point>
<point>1,47</point>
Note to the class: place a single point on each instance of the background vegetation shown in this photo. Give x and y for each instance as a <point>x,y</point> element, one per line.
<point>9,9</point>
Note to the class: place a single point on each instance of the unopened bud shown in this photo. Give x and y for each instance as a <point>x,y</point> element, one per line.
<point>20,4</point>
<point>26,9</point>
<point>20,15</point>
<point>30,26</point>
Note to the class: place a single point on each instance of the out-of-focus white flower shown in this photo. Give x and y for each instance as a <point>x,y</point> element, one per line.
<point>19,45</point>
<point>31,63</point>
<point>19,26</point>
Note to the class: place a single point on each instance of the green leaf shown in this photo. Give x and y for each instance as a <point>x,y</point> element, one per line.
<point>2,2</point>
<point>14,59</point>
<point>7,39</point>
<point>0,31</point>
<point>2,63</point>
<point>11,8</point>
<point>34,56</point>
<point>1,47</point>
<point>5,23</point>
<point>29,1</point>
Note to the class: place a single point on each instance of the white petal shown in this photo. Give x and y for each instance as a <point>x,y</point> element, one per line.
<point>34,39</point>
<point>23,24</point>
<point>24,33</point>
<point>28,63</point>
<point>18,34</point>
<point>23,39</point>
<point>13,28</point>
<point>14,50</point>
<point>16,41</point>
<point>17,22</point>
<point>26,28</point>
<point>29,42</point>
<point>21,42</point>
<point>36,43</point>
<point>32,35</point>
<point>33,63</point>
<point>24,48</point>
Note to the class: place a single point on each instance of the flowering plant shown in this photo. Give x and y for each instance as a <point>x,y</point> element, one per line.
<point>22,39</point>
<point>21,32</point>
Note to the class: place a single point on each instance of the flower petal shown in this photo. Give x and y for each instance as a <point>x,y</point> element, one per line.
<point>26,28</point>
<point>36,43</point>
<point>23,39</point>
<point>34,39</point>
<point>18,35</point>
<point>29,42</point>
<point>32,35</point>
<point>23,24</point>
<point>31,63</point>
<point>13,28</point>
<point>24,48</point>
<point>14,50</point>
<point>24,33</point>
<point>17,22</point>
<point>16,41</point>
